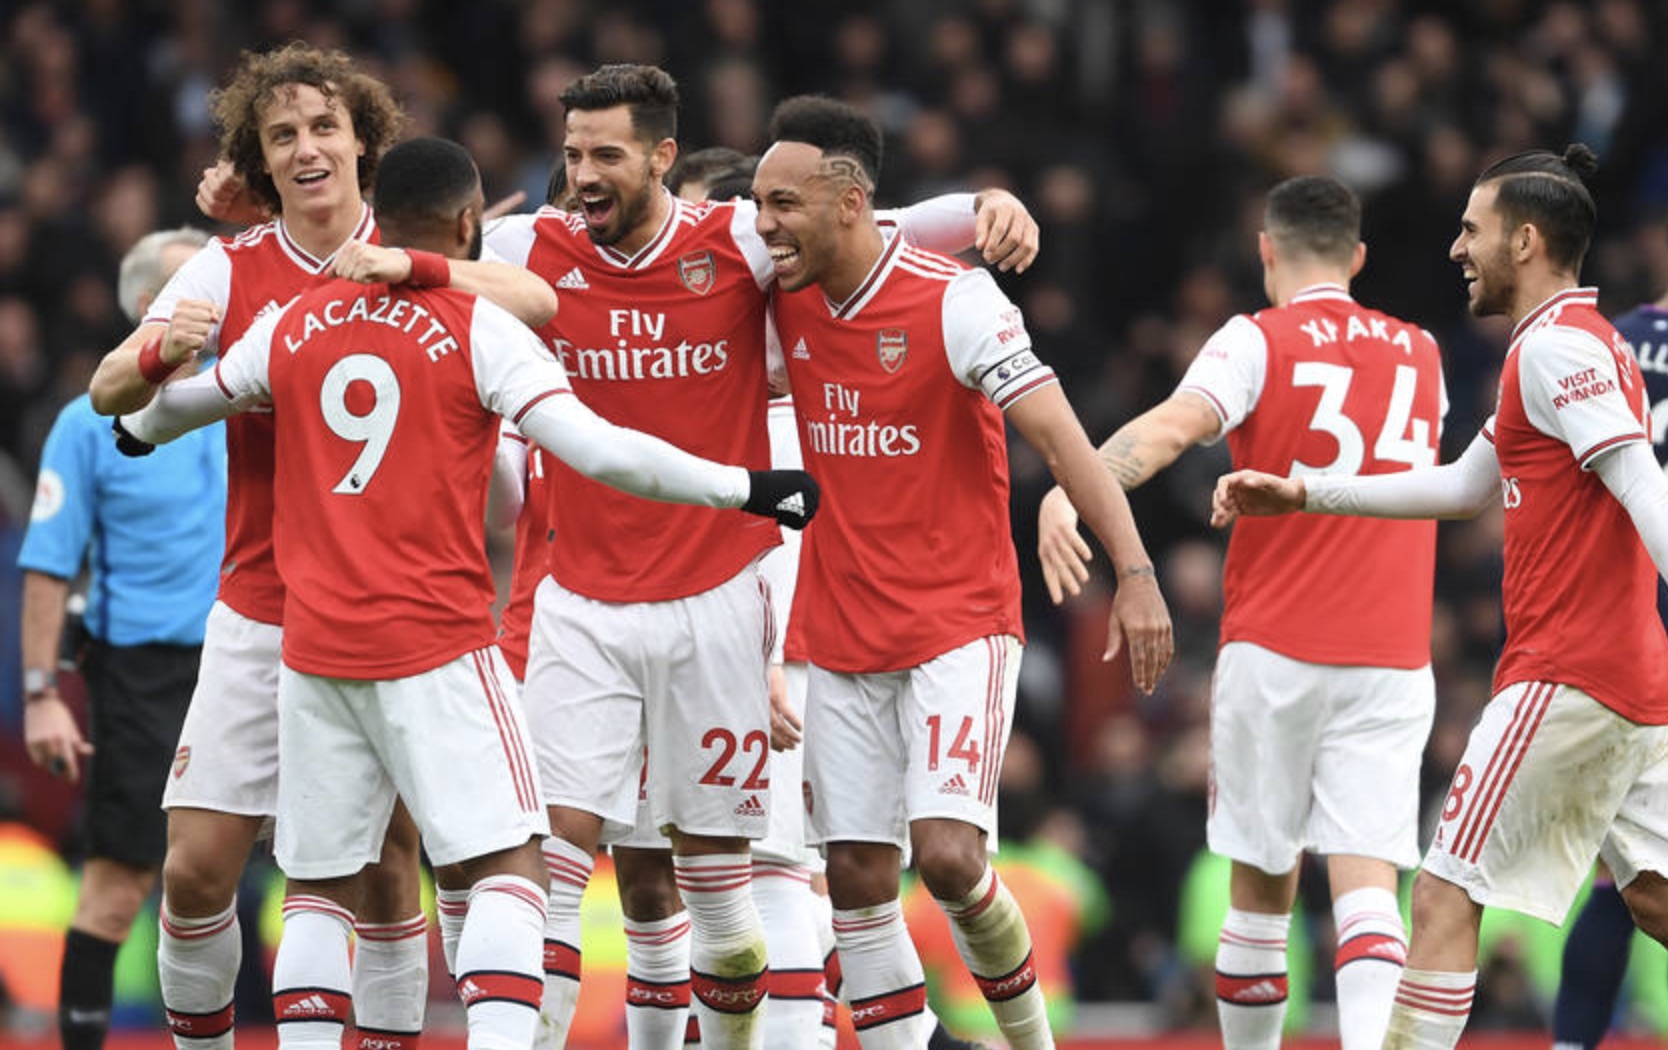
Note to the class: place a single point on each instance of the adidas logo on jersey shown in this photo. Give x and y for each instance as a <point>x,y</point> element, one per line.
<point>954,786</point>
<point>752,807</point>
<point>311,1006</point>
<point>793,503</point>
<point>469,991</point>
<point>801,352</point>
<point>573,280</point>
<point>1261,992</point>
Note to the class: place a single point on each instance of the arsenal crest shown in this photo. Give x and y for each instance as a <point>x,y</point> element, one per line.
<point>697,272</point>
<point>182,758</point>
<point>892,344</point>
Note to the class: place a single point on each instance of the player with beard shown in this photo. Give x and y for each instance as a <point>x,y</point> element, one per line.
<point>386,402</point>
<point>302,133</point>
<point>651,627</point>
<point>1570,757</point>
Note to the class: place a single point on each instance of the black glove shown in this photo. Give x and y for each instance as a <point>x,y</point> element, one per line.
<point>789,496</point>
<point>126,443</point>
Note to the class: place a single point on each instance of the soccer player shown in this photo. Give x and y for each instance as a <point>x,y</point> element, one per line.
<point>385,401</point>
<point>151,541</point>
<point>1568,759</point>
<point>1323,694</point>
<point>903,365</point>
<point>302,132</point>
<point>1596,951</point>
<point>651,628</point>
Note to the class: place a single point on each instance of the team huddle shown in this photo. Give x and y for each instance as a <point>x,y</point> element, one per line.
<point>661,393</point>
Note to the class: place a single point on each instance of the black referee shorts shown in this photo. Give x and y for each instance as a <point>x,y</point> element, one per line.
<point>136,701</point>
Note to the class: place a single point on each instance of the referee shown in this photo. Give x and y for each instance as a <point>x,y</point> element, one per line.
<point>150,534</point>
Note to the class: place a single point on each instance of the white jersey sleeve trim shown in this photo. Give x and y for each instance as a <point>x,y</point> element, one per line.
<point>511,237</point>
<point>206,276</point>
<point>947,223</point>
<point>744,230</point>
<point>1573,391</point>
<point>1229,372</point>
<point>986,341</point>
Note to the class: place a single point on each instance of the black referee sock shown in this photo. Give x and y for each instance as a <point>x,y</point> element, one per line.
<point>86,987</point>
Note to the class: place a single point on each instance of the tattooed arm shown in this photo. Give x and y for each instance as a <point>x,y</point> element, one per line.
<point>1140,448</point>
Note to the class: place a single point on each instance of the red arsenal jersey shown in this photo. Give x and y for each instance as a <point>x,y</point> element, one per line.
<point>258,271</point>
<point>899,394</point>
<point>669,341</point>
<point>386,405</point>
<point>1323,385</point>
<point>1579,587</point>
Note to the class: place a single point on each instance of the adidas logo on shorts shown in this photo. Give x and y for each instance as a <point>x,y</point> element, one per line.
<point>752,807</point>
<point>954,786</point>
<point>573,280</point>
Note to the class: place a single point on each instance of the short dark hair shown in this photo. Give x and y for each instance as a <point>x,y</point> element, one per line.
<point>702,165</point>
<point>257,81</point>
<point>1314,214</point>
<point>836,128</point>
<point>1549,192</point>
<point>422,185</point>
<point>736,182</point>
<point>648,91</point>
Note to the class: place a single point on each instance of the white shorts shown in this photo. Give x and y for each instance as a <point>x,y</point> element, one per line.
<point>1315,757</point>
<point>1549,779</point>
<point>786,840</point>
<point>451,742</point>
<point>227,759</point>
<point>882,750</point>
<point>685,678</point>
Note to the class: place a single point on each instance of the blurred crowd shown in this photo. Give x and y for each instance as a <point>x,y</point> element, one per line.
<point>1142,133</point>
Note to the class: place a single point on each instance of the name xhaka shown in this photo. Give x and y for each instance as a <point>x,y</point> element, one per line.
<point>401,314</point>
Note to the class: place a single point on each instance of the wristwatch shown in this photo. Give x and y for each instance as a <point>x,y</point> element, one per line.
<point>37,682</point>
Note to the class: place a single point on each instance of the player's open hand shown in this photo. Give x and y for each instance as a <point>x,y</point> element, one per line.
<point>53,739</point>
<point>786,727</point>
<point>1061,548</point>
<point>371,263</point>
<point>1252,493</point>
<point>1004,232</point>
<point>189,330</point>
<point>223,196</point>
<point>1141,620</point>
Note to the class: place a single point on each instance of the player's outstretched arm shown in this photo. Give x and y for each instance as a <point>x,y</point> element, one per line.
<point>993,221</point>
<point>1139,615</point>
<point>646,466</point>
<point>1254,494</point>
<point>524,294</point>
<point>128,376</point>
<point>178,408</point>
<point>1633,476</point>
<point>1138,450</point>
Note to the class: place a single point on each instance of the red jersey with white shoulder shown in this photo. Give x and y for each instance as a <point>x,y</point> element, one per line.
<point>899,393</point>
<point>1579,588</point>
<point>669,341</point>
<point>1324,385</point>
<point>534,534</point>
<point>247,276</point>
<point>386,403</point>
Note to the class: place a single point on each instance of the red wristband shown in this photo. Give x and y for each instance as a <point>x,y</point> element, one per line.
<point>151,365</point>
<point>428,270</point>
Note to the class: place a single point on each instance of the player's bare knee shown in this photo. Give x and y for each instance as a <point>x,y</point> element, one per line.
<point>1647,900</point>
<point>861,875</point>
<point>648,884</point>
<point>197,881</point>
<point>111,896</point>
<point>949,855</point>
